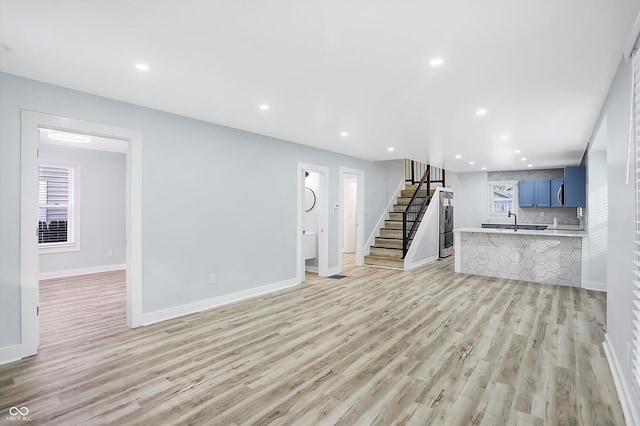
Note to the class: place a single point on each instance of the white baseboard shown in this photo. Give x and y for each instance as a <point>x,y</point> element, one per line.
<point>333,271</point>
<point>10,353</point>
<point>149,318</point>
<point>330,271</point>
<point>630,404</point>
<point>595,286</point>
<point>81,271</point>
<point>421,262</point>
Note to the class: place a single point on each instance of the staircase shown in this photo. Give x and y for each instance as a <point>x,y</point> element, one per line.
<point>387,250</point>
<point>390,247</point>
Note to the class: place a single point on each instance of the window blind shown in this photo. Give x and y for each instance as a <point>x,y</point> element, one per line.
<point>54,203</point>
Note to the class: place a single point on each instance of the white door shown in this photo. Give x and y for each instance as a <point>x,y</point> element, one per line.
<point>350,197</point>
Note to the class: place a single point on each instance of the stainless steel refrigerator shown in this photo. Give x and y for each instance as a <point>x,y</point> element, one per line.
<point>446,223</point>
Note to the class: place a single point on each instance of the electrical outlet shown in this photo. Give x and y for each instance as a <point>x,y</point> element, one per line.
<point>541,213</point>
<point>109,252</point>
<point>212,278</point>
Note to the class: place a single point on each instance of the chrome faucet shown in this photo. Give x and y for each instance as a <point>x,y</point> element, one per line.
<point>515,221</point>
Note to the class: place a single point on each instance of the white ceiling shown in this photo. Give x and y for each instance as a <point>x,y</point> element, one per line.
<point>541,68</point>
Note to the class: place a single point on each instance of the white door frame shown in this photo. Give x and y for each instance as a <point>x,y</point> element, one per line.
<point>29,254</point>
<point>346,172</point>
<point>322,203</point>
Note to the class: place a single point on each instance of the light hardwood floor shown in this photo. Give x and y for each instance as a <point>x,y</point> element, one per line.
<point>381,347</point>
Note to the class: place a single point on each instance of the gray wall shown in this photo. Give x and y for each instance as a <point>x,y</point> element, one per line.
<point>197,217</point>
<point>470,194</point>
<point>102,209</point>
<point>620,197</point>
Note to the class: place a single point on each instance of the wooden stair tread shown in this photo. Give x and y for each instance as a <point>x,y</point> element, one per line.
<point>384,261</point>
<point>394,253</point>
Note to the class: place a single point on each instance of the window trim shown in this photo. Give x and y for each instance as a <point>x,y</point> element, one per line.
<point>490,184</point>
<point>74,211</point>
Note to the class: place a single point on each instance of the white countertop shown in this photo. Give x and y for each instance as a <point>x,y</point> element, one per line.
<point>548,231</point>
<point>548,225</point>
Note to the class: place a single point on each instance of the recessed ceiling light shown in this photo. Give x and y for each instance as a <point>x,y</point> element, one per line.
<point>481,111</point>
<point>523,159</point>
<point>264,107</point>
<point>436,62</point>
<point>484,168</point>
<point>69,137</point>
<point>344,134</point>
<point>517,151</point>
<point>458,156</point>
<point>472,162</point>
<point>390,149</point>
<point>529,165</point>
<point>142,67</point>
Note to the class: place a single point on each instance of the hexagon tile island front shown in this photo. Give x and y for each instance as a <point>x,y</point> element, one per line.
<point>544,257</point>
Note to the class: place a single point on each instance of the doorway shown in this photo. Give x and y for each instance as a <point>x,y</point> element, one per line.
<point>32,122</point>
<point>81,234</point>
<point>351,215</point>
<point>313,220</point>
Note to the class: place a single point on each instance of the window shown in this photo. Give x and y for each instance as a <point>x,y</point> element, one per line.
<point>502,198</point>
<point>58,206</point>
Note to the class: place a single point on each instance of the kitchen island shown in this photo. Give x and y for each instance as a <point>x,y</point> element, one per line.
<point>550,256</point>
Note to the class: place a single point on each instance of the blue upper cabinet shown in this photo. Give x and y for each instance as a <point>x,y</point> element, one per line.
<point>556,192</point>
<point>525,193</point>
<point>575,187</point>
<point>542,193</point>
